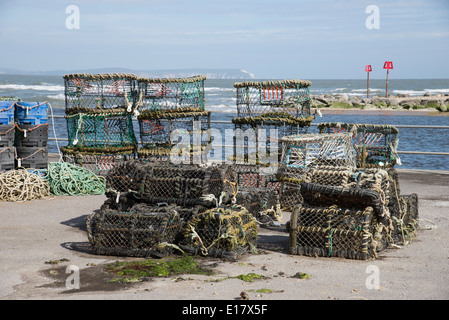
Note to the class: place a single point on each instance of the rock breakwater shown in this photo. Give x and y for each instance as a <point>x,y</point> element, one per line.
<point>399,102</point>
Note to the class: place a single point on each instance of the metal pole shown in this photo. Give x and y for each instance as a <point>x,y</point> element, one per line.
<point>386,92</point>
<point>367,86</point>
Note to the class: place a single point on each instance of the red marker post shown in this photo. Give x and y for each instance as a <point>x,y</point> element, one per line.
<point>368,69</point>
<point>387,65</point>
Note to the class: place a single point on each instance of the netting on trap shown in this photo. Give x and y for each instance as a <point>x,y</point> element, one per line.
<point>336,232</point>
<point>142,231</point>
<point>301,152</point>
<point>404,215</point>
<point>100,130</point>
<point>224,232</point>
<point>98,160</point>
<point>171,94</point>
<point>284,101</point>
<point>93,93</point>
<point>375,145</point>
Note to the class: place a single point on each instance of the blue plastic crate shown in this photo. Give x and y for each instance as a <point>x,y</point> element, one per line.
<point>7,112</point>
<point>33,113</point>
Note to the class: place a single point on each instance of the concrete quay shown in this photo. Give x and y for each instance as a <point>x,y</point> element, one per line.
<point>36,232</point>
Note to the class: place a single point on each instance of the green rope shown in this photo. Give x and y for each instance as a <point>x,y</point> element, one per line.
<point>68,179</point>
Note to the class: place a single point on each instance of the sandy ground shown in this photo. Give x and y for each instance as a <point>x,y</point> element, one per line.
<point>35,232</point>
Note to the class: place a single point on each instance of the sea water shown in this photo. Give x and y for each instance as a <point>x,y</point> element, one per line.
<point>221,100</point>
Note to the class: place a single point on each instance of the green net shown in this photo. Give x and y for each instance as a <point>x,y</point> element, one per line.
<point>171,94</point>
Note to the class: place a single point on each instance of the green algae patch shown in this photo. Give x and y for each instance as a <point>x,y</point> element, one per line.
<point>249,277</point>
<point>132,271</point>
<point>302,275</point>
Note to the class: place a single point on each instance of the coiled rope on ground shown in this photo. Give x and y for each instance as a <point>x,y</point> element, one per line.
<point>68,179</point>
<point>21,185</point>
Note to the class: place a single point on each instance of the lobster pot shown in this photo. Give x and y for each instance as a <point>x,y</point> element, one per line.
<point>7,157</point>
<point>143,231</point>
<point>7,109</point>
<point>91,93</point>
<point>171,94</point>
<point>185,136</point>
<point>32,157</point>
<point>336,232</point>
<point>262,204</point>
<point>27,135</point>
<point>351,188</point>
<point>101,130</point>
<point>97,160</point>
<point>187,185</point>
<point>7,132</point>
<point>256,177</point>
<point>224,232</point>
<point>261,142</point>
<point>127,176</point>
<point>309,150</point>
<point>301,152</point>
<point>274,101</point>
<point>375,145</point>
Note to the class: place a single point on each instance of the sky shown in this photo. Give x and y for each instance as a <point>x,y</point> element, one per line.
<point>314,39</point>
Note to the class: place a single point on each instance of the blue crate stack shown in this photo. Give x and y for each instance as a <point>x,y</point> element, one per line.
<point>31,134</point>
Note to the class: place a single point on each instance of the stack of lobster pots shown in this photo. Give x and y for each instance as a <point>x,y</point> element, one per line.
<point>348,202</point>
<point>98,111</point>
<point>266,112</point>
<point>173,123</point>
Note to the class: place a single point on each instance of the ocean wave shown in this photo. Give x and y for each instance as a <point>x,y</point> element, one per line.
<point>46,87</point>
<point>206,89</point>
<point>60,96</point>
<point>222,108</point>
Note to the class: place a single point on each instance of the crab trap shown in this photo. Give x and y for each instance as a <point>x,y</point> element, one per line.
<point>274,102</point>
<point>261,143</point>
<point>335,232</point>
<point>170,94</point>
<point>141,231</point>
<point>376,145</point>
<point>185,136</point>
<point>98,160</point>
<point>301,152</point>
<point>93,93</point>
<point>224,232</point>
<point>184,185</point>
<point>100,130</point>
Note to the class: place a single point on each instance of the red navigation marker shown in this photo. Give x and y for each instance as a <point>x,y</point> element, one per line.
<point>368,69</point>
<point>387,65</point>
